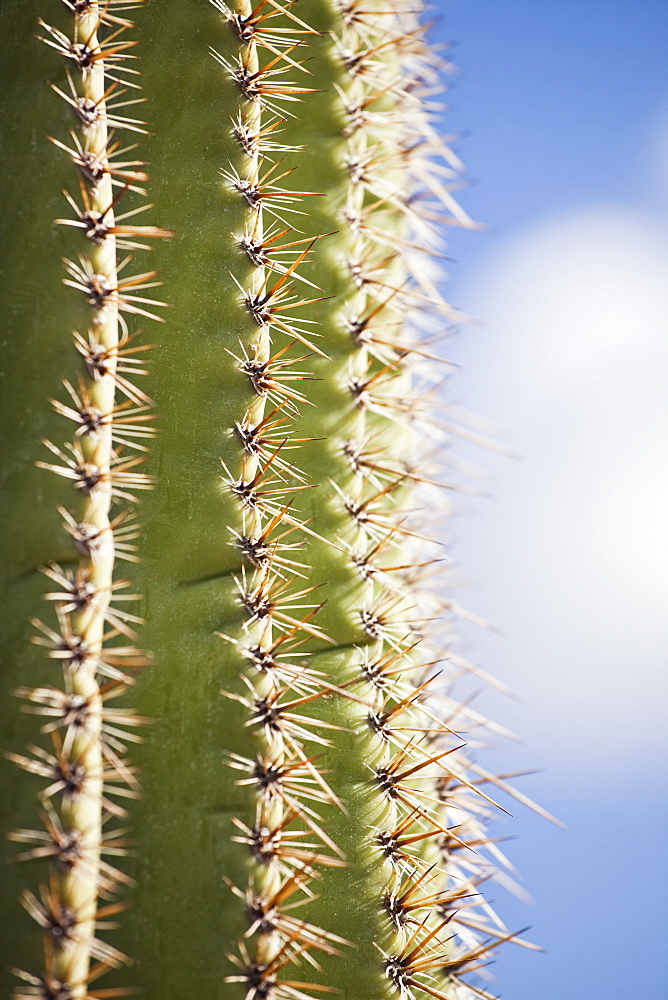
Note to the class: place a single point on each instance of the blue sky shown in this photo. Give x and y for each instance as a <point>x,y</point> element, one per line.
<point>566,103</point>
<point>560,99</point>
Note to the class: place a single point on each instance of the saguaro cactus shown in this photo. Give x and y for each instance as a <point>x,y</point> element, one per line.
<point>303,815</point>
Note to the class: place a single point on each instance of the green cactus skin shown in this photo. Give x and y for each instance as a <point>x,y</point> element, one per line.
<point>310,821</point>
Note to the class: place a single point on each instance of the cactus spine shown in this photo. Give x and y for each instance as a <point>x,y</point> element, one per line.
<point>310,820</point>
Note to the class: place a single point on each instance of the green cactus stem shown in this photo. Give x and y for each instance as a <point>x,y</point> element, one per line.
<point>305,814</point>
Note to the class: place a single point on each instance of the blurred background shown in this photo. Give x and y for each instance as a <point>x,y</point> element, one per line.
<point>567,106</point>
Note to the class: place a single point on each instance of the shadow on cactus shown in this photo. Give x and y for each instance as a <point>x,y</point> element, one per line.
<point>302,816</point>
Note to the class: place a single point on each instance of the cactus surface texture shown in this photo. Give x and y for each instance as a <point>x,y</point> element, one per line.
<point>237,765</point>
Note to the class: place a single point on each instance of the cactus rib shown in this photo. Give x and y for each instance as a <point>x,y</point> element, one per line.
<point>89,738</point>
<point>286,781</point>
<point>420,804</point>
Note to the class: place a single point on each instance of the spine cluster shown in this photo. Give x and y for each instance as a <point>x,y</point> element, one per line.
<point>85,771</point>
<point>427,803</point>
<point>286,837</point>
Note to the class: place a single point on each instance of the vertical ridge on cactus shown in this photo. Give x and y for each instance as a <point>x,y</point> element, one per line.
<point>85,764</point>
<point>311,820</point>
<point>285,837</point>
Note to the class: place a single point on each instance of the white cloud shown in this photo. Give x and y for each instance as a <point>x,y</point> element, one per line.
<point>574,553</point>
